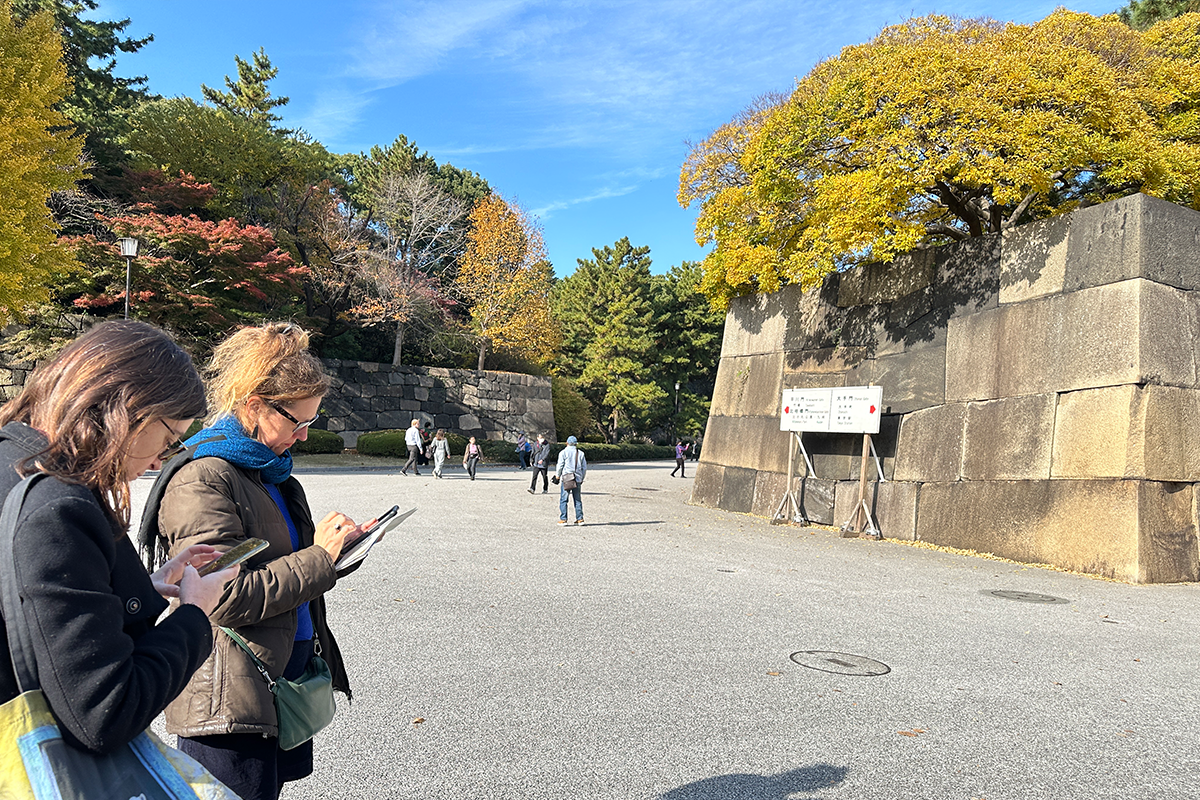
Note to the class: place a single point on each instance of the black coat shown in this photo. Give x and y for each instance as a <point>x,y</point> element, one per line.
<point>106,669</point>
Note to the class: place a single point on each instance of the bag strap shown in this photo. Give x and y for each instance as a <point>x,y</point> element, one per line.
<point>20,639</point>
<point>258,664</point>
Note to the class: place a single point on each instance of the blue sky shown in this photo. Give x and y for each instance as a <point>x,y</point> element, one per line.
<point>580,111</point>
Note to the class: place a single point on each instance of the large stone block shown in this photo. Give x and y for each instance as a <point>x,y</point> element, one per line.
<point>751,442</point>
<point>737,494</point>
<point>893,506</point>
<point>816,497</point>
<point>1135,331</point>
<point>814,321</point>
<point>1092,432</point>
<point>911,380</point>
<point>1168,336</point>
<point>930,444</point>
<point>1009,439</point>
<point>706,488</point>
<point>1033,260</point>
<point>755,324</point>
<point>1135,531</point>
<point>748,385</point>
<point>1128,432</point>
<point>1136,236</point>
<point>768,491</point>
<point>885,282</point>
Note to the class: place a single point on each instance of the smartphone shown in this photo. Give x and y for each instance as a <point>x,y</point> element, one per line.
<point>372,526</point>
<point>235,555</point>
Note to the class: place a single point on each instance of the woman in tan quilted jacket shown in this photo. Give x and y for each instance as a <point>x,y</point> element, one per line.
<point>265,390</point>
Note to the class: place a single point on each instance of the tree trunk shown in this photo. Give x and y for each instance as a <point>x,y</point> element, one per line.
<point>483,348</point>
<point>396,353</point>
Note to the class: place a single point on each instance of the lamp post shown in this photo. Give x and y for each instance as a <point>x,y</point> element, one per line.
<point>675,418</point>
<point>129,249</point>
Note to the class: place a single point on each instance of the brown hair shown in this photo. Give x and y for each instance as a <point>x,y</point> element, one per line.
<point>96,395</point>
<point>271,361</point>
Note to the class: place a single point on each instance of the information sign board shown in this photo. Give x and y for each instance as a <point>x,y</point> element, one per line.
<point>839,409</point>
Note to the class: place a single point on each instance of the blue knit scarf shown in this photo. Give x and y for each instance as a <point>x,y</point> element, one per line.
<point>239,449</point>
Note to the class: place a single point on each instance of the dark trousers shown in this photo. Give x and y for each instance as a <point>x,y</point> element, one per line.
<point>678,468</point>
<point>545,481</point>
<point>471,464</point>
<point>412,459</point>
<point>253,766</point>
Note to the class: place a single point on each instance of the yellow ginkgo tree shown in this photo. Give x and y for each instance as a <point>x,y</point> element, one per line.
<point>505,277</point>
<point>941,129</point>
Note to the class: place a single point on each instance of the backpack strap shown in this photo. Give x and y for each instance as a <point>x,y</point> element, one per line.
<point>152,545</point>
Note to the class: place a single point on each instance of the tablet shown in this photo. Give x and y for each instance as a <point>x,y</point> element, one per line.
<point>358,551</point>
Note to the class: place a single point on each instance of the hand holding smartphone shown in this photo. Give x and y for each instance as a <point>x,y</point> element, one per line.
<point>235,555</point>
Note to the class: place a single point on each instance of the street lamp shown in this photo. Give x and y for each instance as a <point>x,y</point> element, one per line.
<point>129,248</point>
<point>675,419</point>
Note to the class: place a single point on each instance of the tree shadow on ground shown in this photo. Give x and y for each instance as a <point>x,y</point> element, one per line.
<point>762,787</point>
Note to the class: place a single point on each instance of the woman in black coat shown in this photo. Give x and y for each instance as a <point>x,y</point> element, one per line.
<point>112,405</point>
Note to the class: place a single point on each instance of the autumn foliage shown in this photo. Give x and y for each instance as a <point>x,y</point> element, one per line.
<point>37,157</point>
<point>506,278</point>
<point>941,129</point>
<point>198,278</point>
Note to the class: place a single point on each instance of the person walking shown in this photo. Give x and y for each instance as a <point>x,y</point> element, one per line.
<point>412,438</point>
<point>569,475</point>
<point>439,448</point>
<point>522,449</point>
<point>471,457</point>
<point>266,391</point>
<point>540,457</point>
<point>680,456</point>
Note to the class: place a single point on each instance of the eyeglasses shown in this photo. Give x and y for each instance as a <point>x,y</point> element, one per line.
<point>299,425</point>
<point>174,449</point>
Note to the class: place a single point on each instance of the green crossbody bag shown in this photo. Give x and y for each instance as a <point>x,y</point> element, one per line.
<point>304,705</point>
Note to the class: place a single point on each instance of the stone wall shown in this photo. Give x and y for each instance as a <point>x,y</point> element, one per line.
<point>367,396</point>
<point>1041,392</point>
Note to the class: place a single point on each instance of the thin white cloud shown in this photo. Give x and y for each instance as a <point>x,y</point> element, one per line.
<point>546,211</point>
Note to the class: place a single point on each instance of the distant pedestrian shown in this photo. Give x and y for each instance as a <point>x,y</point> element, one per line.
<point>412,438</point>
<point>522,449</point>
<point>426,440</point>
<point>680,456</point>
<point>439,449</point>
<point>569,475</point>
<point>540,458</point>
<point>471,457</point>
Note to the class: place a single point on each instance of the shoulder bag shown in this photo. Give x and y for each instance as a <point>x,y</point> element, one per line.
<point>304,706</point>
<point>35,762</point>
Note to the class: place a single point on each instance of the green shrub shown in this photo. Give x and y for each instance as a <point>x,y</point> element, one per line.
<point>320,441</point>
<point>383,443</point>
<point>458,444</point>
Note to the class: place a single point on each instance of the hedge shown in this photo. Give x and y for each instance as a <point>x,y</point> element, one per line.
<point>391,443</point>
<point>320,441</point>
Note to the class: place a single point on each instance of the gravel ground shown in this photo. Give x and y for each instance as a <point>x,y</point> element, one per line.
<point>668,651</point>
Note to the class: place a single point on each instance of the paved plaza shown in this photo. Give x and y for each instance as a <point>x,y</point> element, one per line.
<point>664,651</point>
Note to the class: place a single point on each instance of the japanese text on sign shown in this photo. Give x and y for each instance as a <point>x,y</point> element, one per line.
<point>839,409</point>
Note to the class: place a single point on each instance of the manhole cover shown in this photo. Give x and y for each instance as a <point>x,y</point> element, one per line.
<point>840,663</point>
<point>1024,597</point>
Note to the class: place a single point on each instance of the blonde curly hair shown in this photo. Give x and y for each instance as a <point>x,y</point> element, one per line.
<point>271,361</point>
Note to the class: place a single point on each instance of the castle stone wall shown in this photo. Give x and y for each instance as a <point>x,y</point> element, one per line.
<point>1041,393</point>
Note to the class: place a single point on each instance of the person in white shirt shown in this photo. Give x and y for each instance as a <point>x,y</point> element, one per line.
<point>571,469</point>
<point>412,438</point>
